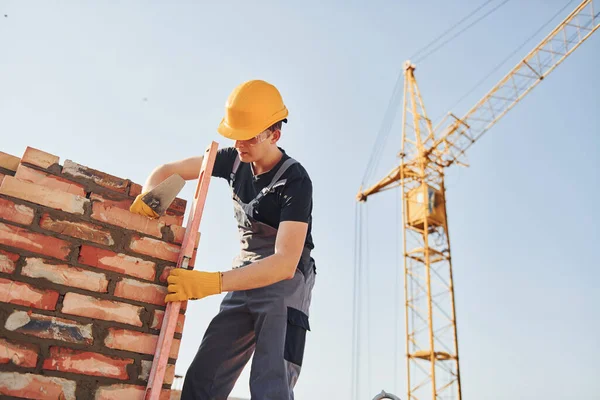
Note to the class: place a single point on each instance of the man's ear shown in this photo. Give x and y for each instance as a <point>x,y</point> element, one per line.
<point>275,136</point>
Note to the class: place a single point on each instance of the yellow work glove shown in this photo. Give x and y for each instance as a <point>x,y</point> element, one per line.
<point>141,208</point>
<point>187,284</point>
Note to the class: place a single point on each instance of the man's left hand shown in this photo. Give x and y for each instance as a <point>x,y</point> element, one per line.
<point>191,285</point>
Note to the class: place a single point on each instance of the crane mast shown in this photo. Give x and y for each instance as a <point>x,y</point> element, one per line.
<point>430,319</point>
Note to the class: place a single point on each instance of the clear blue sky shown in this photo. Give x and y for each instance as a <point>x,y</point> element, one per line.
<point>523,218</point>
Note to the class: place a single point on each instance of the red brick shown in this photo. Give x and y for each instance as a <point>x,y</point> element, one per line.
<point>177,207</point>
<point>23,355</point>
<point>81,230</point>
<point>135,190</point>
<point>129,392</point>
<point>141,291</point>
<point>137,342</point>
<point>172,220</point>
<point>86,363</point>
<point>26,295</point>
<point>108,310</point>
<point>67,275</point>
<point>8,161</point>
<point>147,366</point>
<point>22,238</point>
<point>117,262</point>
<point>165,274</point>
<point>123,204</point>
<point>8,261</point>
<point>39,158</point>
<point>159,315</point>
<point>49,327</point>
<point>125,219</point>
<point>31,386</point>
<point>15,212</point>
<point>155,248</point>
<point>178,233</point>
<point>43,195</point>
<point>25,173</point>
<point>100,178</point>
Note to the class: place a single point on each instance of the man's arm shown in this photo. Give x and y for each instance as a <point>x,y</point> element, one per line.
<point>187,168</point>
<point>277,267</point>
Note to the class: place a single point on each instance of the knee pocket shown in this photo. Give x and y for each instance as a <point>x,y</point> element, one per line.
<point>295,336</point>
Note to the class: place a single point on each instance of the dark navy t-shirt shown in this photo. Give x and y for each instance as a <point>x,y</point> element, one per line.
<point>291,201</point>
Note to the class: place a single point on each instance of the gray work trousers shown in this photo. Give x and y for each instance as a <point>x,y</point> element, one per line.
<point>269,322</point>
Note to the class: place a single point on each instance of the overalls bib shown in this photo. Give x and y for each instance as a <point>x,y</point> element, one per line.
<point>269,322</point>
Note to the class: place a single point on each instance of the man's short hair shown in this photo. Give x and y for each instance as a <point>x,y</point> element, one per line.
<point>276,125</point>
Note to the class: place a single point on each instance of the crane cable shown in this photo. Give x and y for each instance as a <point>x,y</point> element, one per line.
<point>441,35</point>
<point>419,59</point>
<point>394,102</point>
<point>509,56</point>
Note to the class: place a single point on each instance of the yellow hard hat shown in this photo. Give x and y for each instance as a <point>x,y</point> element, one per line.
<point>251,108</point>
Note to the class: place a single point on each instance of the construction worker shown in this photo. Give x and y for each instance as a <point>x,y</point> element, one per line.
<point>266,308</point>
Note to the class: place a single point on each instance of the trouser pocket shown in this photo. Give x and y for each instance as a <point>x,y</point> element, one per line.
<point>295,336</point>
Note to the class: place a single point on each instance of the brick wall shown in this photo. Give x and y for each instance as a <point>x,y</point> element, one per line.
<point>82,281</point>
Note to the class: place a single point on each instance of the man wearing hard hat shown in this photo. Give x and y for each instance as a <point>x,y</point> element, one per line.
<point>266,308</point>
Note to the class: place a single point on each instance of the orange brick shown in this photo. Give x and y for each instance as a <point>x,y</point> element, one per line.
<point>39,158</point>
<point>172,220</point>
<point>49,327</point>
<point>81,230</point>
<point>137,342</point>
<point>16,212</point>
<point>1,177</point>
<point>178,233</point>
<point>41,178</point>
<point>141,291</point>
<point>22,238</point>
<point>8,261</point>
<point>8,161</point>
<point>108,310</point>
<point>135,190</point>
<point>147,366</point>
<point>158,317</point>
<point>100,178</point>
<point>129,392</point>
<point>125,219</point>
<point>155,248</point>
<point>165,274</point>
<point>31,386</point>
<point>123,204</point>
<point>87,363</point>
<point>177,207</point>
<point>23,355</point>
<point>43,195</point>
<point>26,295</point>
<point>117,262</point>
<point>65,275</point>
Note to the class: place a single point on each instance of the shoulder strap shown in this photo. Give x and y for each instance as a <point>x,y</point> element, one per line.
<point>236,164</point>
<point>284,167</point>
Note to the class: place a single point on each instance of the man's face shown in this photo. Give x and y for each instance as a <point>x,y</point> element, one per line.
<point>253,149</point>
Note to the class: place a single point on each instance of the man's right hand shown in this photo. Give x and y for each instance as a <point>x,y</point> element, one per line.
<point>141,208</point>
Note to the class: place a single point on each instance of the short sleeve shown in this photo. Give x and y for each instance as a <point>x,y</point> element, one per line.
<point>297,200</point>
<point>224,162</point>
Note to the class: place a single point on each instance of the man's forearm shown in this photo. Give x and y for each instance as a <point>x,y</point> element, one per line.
<point>158,175</point>
<point>260,273</point>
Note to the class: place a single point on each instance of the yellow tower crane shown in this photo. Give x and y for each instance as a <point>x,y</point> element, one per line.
<point>430,319</point>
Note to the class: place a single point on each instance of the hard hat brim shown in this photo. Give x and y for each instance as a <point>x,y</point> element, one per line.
<point>244,134</point>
